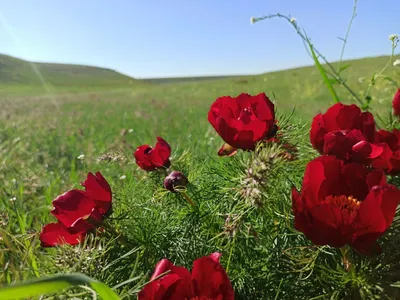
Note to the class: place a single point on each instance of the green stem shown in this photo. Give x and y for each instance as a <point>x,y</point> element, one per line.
<point>347,34</point>
<point>347,263</point>
<point>115,232</point>
<point>188,199</point>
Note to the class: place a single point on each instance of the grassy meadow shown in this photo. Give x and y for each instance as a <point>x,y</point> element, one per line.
<point>48,124</point>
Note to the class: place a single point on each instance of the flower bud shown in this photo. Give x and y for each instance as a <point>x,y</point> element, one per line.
<point>175,179</point>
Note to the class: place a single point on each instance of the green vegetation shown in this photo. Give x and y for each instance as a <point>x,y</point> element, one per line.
<point>18,76</point>
<point>105,116</point>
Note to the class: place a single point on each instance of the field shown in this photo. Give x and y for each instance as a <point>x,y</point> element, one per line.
<point>76,119</point>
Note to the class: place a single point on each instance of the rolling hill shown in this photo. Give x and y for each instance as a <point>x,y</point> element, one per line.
<point>14,71</point>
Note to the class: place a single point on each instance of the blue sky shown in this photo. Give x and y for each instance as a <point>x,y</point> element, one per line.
<point>160,38</point>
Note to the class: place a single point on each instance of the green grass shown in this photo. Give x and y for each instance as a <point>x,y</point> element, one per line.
<point>42,133</point>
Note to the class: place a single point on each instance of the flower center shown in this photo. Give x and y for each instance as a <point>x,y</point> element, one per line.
<point>247,115</point>
<point>347,204</point>
<point>147,150</point>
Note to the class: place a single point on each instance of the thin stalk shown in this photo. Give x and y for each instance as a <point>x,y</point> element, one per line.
<point>188,199</point>
<point>308,43</point>
<point>347,34</point>
<point>347,263</point>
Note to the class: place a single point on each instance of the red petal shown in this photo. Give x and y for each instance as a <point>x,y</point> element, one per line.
<point>71,206</point>
<point>348,117</point>
<point>328,226</point>
<point>396,103</point>
<point>340,144</point>
<point>375,216</point>
<point>165,288</point>
<point>317,133</point>
<point>365,152</point>
<point>142,158</point>
<point>159,156</point>
<point>162,266</point>
<point>330,117</point>
<point>354,181</point>
<point>375,177</point>
<point>322,178</point>
<point>209,279</point>
<point>263,107</point>
<point>215,256</point>
<point>55,234</point>
<point>99,190</point>
<point>173,285</point>
<point>368,126</point>
<point>87,223</point>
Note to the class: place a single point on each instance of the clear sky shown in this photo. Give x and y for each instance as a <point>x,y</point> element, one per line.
<point>162,38</point>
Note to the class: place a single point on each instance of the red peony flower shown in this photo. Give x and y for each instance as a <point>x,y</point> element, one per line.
<point>396,103</point>
<point>207,281</point>
<point>339,129</point>
<point>78,212</point>
<point>344,204</point>
<point>150,159</point>
<point>243,121</point>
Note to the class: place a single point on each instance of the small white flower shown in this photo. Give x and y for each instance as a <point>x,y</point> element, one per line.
<point>81,157</point>
<point>130,130</point>
<point>293,20</point>
<point>253,20</point>
<point>123,177</point>
<point>396,63</point>
<point>361,79</point>
<point>393,37</point>
<point>13,199</point>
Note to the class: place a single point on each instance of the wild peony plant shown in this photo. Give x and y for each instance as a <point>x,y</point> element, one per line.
<point>78,212</point>
<point>242,121</point>
<point>150,159</point>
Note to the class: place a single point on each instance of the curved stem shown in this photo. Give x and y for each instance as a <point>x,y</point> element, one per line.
<point>188,199</point>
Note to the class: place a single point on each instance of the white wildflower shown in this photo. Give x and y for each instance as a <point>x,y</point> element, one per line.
<point>13,199</point>
<point>123,177</point>
<point>130,130</point>
<point>394,37</point>
<point>81,157</point>
<point>293,20</point>
<point>253,20</point>
<point>396,63</point>
<point>361,79</point>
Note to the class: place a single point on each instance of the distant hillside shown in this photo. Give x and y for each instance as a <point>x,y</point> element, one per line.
<point>362,66</point>
<point>14,71</point>
<point>167,80</point>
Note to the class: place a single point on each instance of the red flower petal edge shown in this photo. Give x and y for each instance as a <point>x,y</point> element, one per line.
<point>396,103</point>
<point>55,234</point>
<point>208,280</point>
